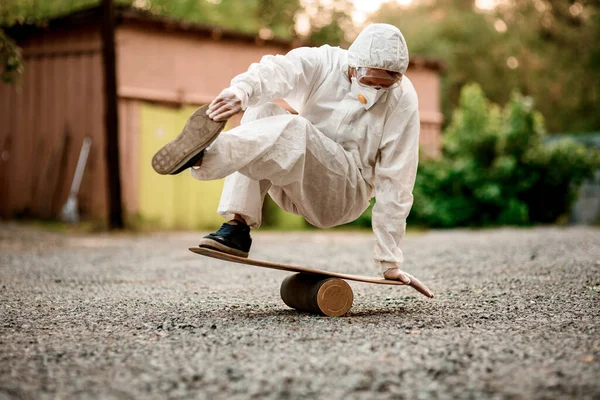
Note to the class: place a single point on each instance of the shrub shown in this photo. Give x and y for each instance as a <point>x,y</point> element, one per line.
<point>496,169</point>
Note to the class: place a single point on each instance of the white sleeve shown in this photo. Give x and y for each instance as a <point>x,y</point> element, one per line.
<point>395,174</point>
<point>276,77</point>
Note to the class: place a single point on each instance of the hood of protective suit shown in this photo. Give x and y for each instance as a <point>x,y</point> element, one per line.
<point>379,46</point>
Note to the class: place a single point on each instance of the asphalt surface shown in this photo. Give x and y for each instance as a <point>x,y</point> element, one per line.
<point>516,315</point>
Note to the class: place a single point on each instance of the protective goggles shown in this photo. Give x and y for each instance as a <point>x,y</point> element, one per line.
<point>377,78</point>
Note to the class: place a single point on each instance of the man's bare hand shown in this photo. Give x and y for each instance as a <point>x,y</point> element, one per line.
<point>396,274</point>
<point>224,106</point>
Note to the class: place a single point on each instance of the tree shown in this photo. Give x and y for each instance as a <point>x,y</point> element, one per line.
<point>497,168</point>
<point>11,61</point>
<point>546,49</point>
<point>327,20</point>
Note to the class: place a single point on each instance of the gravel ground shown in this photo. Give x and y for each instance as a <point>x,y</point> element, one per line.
<point>516,315</point>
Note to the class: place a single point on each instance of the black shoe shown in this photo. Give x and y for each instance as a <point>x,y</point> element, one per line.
<point>231,238</point>
<point>193,161</point>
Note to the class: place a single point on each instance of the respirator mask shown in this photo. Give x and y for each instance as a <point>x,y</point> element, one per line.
<point>370,84</point>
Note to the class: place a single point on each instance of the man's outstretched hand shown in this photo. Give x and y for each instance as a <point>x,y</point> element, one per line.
<point>225,105</point>
<point>396,274</point>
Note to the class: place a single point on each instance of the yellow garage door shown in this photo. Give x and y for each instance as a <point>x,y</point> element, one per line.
<point>174,202</point>
<point>180,201</point>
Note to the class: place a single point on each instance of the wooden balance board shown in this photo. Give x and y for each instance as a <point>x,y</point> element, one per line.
<point>314,290</point>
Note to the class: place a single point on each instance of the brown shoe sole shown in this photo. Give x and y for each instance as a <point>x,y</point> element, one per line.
<point>197,134</point>
<point>213,244</point>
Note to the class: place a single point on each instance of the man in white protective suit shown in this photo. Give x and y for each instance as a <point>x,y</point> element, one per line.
<point>356,136</point>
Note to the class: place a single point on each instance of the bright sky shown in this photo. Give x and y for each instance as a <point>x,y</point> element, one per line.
<point>362,9</point>
<point>365,7</point>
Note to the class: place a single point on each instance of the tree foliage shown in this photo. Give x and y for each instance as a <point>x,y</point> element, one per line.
<point>497,168</point>
<point>546,49</point>
<point>326,21</point>
<point>10,60</point>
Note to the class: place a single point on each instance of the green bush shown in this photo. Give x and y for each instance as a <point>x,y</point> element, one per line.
<point>496,169</point>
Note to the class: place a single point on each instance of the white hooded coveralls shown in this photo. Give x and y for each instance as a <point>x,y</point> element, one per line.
<point>328,161</point>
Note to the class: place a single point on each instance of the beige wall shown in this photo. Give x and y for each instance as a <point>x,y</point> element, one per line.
<point>60,94</point>
<point>187,69</point>
<point>427,84</point>
<point>175,67</point>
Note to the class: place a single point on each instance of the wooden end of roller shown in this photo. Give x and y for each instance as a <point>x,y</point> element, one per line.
<point>317,294</point>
